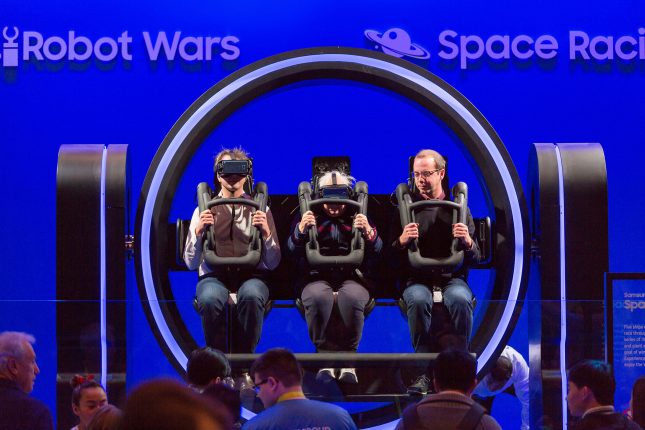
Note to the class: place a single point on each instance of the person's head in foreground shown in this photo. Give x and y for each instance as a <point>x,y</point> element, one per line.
<point>87,397</point>
<point>275,373</point>
<point>165,404</point>
<point>106,418</point>
<point>18,359</point>
<point>591,384</point>
<point>455,370</point>
<point>206,366</point>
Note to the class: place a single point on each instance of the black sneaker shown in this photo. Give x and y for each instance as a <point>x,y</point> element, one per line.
<point>420,387</point>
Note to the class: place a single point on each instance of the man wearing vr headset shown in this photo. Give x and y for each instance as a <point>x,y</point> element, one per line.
<point>435,231</point>
<point>233,228</point>
<point>334,227</point>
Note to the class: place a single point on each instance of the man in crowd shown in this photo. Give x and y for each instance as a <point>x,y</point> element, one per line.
<point>278,380</point>
<point>435,231</point>
<point>207,366</point>
<point>455,374</point>
<point>509,375</point>
<point>591,398</point>
<point>209,372</point>
<point>18,370</point>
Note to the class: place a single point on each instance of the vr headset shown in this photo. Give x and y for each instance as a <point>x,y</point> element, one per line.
<point>233,167</point>
<point>336,192</point>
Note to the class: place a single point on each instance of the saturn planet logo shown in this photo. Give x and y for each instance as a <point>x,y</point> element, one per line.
<point>397,42</point>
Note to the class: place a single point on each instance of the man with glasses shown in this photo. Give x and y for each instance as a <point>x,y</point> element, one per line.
<point>18,370</point>
<point>435,231</point>
<point>278,381</point>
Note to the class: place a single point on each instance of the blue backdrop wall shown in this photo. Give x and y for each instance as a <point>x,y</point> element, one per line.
<point>123,72</point>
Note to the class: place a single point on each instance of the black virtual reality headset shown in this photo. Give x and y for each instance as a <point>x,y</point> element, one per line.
<point>233,167</point>
<point>336,192</point>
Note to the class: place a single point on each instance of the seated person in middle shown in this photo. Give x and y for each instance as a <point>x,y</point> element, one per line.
<point>334,227</point>
<point>233,226</point>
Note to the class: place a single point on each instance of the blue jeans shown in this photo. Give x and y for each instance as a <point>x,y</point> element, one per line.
<point>457,298</point>
<point>212,299</point>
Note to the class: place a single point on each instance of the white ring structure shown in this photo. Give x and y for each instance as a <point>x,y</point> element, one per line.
<point>402,72</point>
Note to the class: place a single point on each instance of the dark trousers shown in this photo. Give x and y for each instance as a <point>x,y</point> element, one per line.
<point>212,305</point>
<point>335,328</point>
<point>458,299</point>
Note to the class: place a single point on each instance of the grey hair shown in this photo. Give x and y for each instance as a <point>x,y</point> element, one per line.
<point>12,344</point>
<point>341,178</point>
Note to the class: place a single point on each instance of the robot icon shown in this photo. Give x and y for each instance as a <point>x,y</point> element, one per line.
<point>10,48</point>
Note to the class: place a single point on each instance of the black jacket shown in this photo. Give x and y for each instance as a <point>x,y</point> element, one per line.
<point>605,421</point>
<point>435,240</point>
<point>18,411</point>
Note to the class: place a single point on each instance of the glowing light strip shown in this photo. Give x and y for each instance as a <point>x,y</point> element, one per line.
<point>563,292</point>
<point>402,72</point>
<point>246,414</point>
<point>387,426</point>
<point>103,293</point>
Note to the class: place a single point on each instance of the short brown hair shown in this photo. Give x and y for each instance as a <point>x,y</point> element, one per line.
<point>107,417</point>
<point>236,153</point>
<point>439,161</point>
<point>165,404</point>
<point>279,363</point>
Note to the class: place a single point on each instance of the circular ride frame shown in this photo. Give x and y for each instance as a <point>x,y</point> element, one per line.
<point>481,144</point>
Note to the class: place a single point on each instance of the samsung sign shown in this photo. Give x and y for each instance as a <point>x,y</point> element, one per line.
<point>466,49</point>
<point>463,49</point>
<point>35,46</point>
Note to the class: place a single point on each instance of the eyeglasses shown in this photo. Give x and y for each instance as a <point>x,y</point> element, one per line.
<point>426,174</point>
<point>257,386</point>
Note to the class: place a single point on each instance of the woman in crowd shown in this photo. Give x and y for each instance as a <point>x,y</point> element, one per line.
<point>87,397</point>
